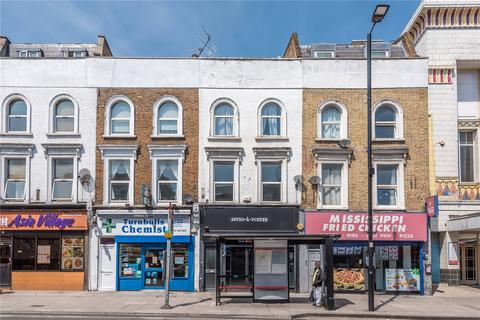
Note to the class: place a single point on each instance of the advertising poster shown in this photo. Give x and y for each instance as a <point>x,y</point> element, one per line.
<point>383,253</point>
<point>393,252</point>
<point>349,279</point>
<point>402,279</point>
<point>43,254</point>
<point>452,253</point>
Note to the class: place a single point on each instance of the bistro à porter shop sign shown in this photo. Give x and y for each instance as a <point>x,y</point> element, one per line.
<point>354,226</point>
<point>43,221</point>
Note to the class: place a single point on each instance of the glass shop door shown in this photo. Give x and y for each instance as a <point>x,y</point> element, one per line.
<point>154,266</point>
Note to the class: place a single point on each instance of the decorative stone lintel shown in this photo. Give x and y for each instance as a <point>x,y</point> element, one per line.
<point>17,148</point>
<point>273,153</point>
<point>396,153</point>
<point>118,150</point>
<point>159,150</point>
<point>467,123</point>
<point>333,153</point>
<point>62,149</point>
<point>225,152</point>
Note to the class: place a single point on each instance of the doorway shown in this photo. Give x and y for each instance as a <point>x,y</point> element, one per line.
<point>6,262</point>
<point>210,267</point>
<point>106,266</point>
<point>469,264</point>
<point>153,271</point>
<point>238,264</point>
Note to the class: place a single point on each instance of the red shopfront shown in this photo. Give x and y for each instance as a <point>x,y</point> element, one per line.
<point>43,249</point>
<point>399,245</point>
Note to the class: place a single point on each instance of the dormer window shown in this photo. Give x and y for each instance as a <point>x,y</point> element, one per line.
<point>75,53</point>
<point>30,53</point>
<point>379,53</point>
<point>324,54</point>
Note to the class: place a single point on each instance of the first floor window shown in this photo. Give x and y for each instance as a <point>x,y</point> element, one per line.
<point>387,188</point>
<point>167,177</point>
<point>467,156</point>
<point>223,180</point>
<point>62,179</point>
<point>119,176</point>
<point>332,184</point>
<point>15,172</point>
<point>271,177</point>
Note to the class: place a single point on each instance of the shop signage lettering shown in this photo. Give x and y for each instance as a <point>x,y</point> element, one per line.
<point>249,219</point>
<point>354,226</point>
<point>143,226</point>
<point>43,221</point>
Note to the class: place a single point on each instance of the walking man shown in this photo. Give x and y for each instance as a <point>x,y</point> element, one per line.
<point>317,282</point>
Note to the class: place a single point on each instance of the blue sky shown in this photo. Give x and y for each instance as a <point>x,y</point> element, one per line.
<point>173,28</point>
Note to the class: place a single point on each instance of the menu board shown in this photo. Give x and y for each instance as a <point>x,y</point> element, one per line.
<point>402,279</point>
<point>43,254</point>
<point>72,252</point>
<point>130,259</point>
<point>349,279</point>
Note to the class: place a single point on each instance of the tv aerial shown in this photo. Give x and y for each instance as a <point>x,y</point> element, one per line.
<point>206,46</point>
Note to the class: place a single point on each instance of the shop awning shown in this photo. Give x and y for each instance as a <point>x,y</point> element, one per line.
<point>468,222</point>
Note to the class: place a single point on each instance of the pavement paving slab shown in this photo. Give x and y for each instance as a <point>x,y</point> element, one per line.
<point>447,303</point>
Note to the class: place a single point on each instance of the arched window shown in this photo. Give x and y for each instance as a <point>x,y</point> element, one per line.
<point>120,118</point>
<point>223,124</point>
<point>168,118</point>
<point>64,116</point>
<point>271,118</point>
<point>386,122</point>
<point>331,122</point>
<point>17,116</point>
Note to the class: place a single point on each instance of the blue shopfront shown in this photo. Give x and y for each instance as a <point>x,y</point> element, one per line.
<point>139,247</point>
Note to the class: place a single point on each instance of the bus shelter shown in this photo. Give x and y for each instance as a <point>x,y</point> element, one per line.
<point>270,277</point>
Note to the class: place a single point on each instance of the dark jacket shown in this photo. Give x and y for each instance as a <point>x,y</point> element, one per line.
<point>318,278</point>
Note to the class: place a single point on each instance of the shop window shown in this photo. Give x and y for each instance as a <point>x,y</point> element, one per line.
<point>167,177</point>
<point>271,181</point>
<point>130,260</point>
<point>15,179</point>
<point>72,252</point>
<point>387,184</point>
<point>24,252</point>
<point>223,181</point>
<point>467,156</point>
<point>119,177</point>
<point>180,261</point>
<point>48,252</point>
<point>62,184</point>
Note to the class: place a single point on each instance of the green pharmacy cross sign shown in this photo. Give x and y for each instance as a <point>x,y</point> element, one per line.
<point>108,225</point>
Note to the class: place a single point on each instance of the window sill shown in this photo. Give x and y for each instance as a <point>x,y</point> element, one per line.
<point>272,138</point>
<point>167,136</point>
<point>219,138</point>
<point>120,136</point>
<point>333,208</point>
<point>389,208</point>
<point>63,135</point>
<point>19,135</point>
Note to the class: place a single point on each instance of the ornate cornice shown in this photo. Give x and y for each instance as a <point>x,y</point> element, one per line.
<point>465,123</point>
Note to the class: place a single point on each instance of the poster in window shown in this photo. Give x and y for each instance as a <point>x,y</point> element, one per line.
<point>279,262</point>
<point>72,252</point>
<point>393,252</point>
<point>341,250</point>
<point>383,253</point>
<point>43,254</point>
<point>263,261</point>
<point>349,279</point>
<point>402,280</point>
<point>452,253</point>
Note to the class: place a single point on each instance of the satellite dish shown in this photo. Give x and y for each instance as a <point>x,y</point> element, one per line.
<point>86,180</point>
<point>344,143</point>
<point>315,180</point>
<point>298,179</point>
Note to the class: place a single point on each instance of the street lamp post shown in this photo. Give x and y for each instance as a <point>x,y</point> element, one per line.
<point>378,15</point>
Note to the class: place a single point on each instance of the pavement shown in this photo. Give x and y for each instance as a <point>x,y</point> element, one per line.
<point>446,303</point>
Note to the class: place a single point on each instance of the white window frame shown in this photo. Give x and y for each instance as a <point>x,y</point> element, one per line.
<point>344,186</point>
<point>156,109</point>
<point>282,117</point>
<point>343,119</point>
<point>6,180</point>
<point>316,55</point>
<point>29,53</point>
<point>234,182</point>
<point>118,152</point>
<point>53,116</point>
<point>6,117</point>
<point>53,180</point>
<point>400,205</point>
<point>167,152</point>
<point>474,145</point>
<point>398,132</point>
<point>236,123</point>
<point>19,151</point>
<point>108,120</point>
<point>283,184</point>
<point>130,186</point>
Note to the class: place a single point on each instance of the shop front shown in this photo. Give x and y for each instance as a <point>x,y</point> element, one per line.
<point>399,240</point>
<point>132,250</point>
<point>43,250</point>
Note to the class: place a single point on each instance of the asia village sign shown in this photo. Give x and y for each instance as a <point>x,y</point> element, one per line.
<point>43,221</point>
